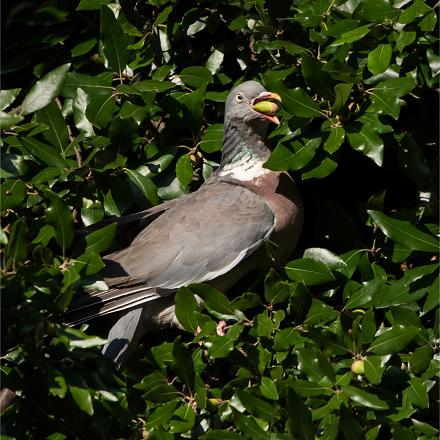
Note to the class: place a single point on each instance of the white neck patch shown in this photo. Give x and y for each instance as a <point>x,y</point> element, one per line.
<point>245,169</point>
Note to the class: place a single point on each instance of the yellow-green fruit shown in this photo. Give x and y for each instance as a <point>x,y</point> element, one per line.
<point>212,405</point>
<point>358,367</point>
<point>266,107</point>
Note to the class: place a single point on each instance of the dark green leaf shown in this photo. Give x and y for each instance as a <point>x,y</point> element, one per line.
<point>187,309</point>
<point>17,249</point>
<point>145,185</point>
<point>342,93</point>
<point>114,40</point>
<point>161,415</point>
<point>7,97</point>
<point>83,47</point>
<point>90,5</point>
<point>221,434</point>
<point>100,110</point>
<point>417,392</point>
<point>309,272</point>
<point>101,239</point>
<point>79,389</point>
<point>157,388</point>
<point>335,139</point>
<point>8,120</point>
<point>352,35</point>
<point>420,359</point>
<point>314,364</point>
<point>153,86</point>
<point>379,58</point>
<point>45,153</point>
<point>307,388</point>
<point>364,294</point>
<point>212,138</point>
<point>256,406</point>
<point>363,398</point>
<point>393,339</point>
<point>268,389</point>
<point>196,76</point>
<point>298,103</point>
<point>58,215</point>
<point>216,302</point>
<point>45,90</point>
<point>385,96</point>
<point>294,158</point>
<point>193,106</point>
<point>184,171</point>
<point>12,193</point>
<point>92,85</point>
<point>368,142</point>
<point>374,369</point>
<point>57,134</point>
<point>378,11</point>
<point>404,232</point>
<point>248,426</point>
<point>299,418</point>
<point>183,419</point>
<point>80,103</point>
<point>183,363</point>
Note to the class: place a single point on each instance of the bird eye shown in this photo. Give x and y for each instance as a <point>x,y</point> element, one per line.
<point>239,97</point>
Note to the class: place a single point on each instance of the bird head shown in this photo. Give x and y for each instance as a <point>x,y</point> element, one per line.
<point>249,102</point>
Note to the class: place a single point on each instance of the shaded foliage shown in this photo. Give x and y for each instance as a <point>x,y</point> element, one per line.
<point>110,107</point>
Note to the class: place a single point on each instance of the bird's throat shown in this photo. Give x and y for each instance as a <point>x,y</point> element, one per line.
<point>244,153</point>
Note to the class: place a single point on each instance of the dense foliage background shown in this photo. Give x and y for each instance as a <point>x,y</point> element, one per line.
<point>109,107</point>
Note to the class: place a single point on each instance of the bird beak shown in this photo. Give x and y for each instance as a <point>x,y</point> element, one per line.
<point>264,105</point>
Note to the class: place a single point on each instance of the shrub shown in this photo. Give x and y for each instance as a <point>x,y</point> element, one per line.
<point>110,107</point>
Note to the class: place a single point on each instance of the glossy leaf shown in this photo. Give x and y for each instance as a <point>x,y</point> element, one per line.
<point>393,339</point>
<point>80,392</point>
<point>100,110</point>
<point>145,185</point>
<point>157,388</point>
<point>12,193</point>
<point>256,406</point>
<point>299,103</point>
<point>58,215</point>
<point>196,76</point>
<point>183,363</point>
<point>114,40</point>
<point>363,398</point>
<point>101,239</point>
<point>184,171</point>
<point>45,90</point>
<point>45,153</point>
<point>7,97</point>
<point>404,232</point>
<point>352,35</point>
<point>379,58</point>
<point>187,309</point>
<point>17,249</point>
<point>295,158</point>
<point>212,138</point>
<point>57,134</point>
<point>309,272</point>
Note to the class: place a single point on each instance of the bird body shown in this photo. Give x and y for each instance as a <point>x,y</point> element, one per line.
<point>215,235</point>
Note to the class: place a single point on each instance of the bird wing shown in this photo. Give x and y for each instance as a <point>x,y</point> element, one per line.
<point>203,236</point>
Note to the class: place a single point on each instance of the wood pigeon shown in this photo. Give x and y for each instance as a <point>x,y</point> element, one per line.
<point>214,235</point>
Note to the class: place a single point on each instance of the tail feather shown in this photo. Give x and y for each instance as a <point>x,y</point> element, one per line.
<point>109,301</point>
<point>125,335</point>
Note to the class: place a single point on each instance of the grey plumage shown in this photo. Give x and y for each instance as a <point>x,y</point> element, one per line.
<point>215,235</point>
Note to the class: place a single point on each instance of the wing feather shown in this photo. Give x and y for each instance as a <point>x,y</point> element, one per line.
<point>198,239</point>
